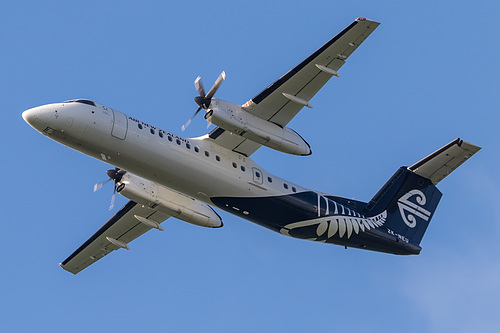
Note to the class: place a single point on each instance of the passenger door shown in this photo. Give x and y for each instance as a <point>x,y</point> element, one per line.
<point>120,125</point>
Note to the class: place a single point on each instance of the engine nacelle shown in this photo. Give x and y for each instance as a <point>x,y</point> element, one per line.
<point>165,200</point>
<point>232,117</point>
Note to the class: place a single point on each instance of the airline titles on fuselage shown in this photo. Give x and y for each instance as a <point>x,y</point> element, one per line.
<point>142,124</point>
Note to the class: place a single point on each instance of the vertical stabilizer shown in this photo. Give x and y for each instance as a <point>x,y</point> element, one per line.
<point>410,201</point>
<point>411,196</point>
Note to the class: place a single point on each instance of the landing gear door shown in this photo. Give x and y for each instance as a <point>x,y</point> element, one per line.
<point>120,125</point>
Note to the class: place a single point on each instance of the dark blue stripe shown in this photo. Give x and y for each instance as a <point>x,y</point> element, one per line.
<point>272,212</point>
<point>278,211</point>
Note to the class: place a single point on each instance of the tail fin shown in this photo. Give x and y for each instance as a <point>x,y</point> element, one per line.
<point>410,197</point>
<point>410,201</point>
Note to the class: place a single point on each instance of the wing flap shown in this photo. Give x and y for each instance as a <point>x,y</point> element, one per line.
<point>123,226</point>
<point>233,141</point>
<point>443,161</point>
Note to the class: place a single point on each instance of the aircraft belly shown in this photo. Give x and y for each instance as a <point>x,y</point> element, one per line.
<point>177,169</point>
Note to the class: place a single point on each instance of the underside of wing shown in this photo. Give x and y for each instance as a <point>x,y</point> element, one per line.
<point>283,99</point>
<point>130,222</point>
<point>234,142</point>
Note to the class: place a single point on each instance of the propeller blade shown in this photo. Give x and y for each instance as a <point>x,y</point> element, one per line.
<point>216,85</point>
<point>203,100</point>
<point>199,86</point>
<point>112,204</point>
<point>116,175</point>
<point>183,127</point>
<point>98,186</point>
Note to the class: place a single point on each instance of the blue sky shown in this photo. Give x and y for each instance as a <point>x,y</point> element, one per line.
<point>427,75</point>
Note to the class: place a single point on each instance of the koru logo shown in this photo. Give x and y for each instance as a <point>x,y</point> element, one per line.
<point>410,209</point>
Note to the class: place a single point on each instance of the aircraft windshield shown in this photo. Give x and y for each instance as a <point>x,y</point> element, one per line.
<point>84,101</point>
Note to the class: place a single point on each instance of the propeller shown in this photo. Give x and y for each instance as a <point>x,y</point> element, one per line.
<point>203,100</point>
<point>115,174</point>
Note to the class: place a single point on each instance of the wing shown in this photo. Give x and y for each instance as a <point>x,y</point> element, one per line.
<point>443,161</point>
<point>130,222</point>
<point>283,99</point>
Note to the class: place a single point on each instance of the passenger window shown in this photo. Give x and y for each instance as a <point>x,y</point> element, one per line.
<point>139,125</point>
<point>243,168</point>
<point>207,154</point>
<point>269,179</point>
<point>217,158</point>
<point>169,138</point>
<point>235,165</point>
<point>294,189</point>
<point>285,185</point>
<point>196,149</point>
<point>160,133</point>
<point>188,146</point>
<point>152,131</point>
<point>178,142</point>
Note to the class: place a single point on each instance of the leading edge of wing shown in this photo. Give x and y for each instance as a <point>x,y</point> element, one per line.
<point>125,209</point>
<point>277,107</point>
<point>127,224</point>
<point>266,92</point>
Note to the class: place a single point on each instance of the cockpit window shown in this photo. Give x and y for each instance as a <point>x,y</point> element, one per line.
<point>84,101</point>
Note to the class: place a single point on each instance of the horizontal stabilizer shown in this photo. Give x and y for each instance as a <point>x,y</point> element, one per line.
<point>443,161</point>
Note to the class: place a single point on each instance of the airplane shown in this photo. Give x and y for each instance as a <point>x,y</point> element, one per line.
<point>165,175</point>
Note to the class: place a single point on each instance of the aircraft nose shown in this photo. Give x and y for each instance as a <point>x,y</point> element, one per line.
<point>31,115</point>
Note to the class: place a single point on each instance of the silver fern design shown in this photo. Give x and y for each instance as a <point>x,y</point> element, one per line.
<point>343,226</point>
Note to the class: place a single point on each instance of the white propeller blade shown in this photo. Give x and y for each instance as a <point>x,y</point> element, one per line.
<point>112,204</point>
<point>204,100</point>
<point>183,127</point>
<point>216,85</point>
<point>98,186</point>
<point>199,86</point>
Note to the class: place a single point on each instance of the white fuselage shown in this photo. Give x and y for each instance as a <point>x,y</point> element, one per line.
<point>195,167</point>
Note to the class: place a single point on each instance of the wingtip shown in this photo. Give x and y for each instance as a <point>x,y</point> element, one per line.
<point>362,19</point>
<point>62,266</point>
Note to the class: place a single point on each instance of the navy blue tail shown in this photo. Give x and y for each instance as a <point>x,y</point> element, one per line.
<point>410,201</point>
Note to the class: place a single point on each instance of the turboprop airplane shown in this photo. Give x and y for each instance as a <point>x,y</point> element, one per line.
<point>165,175</point>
